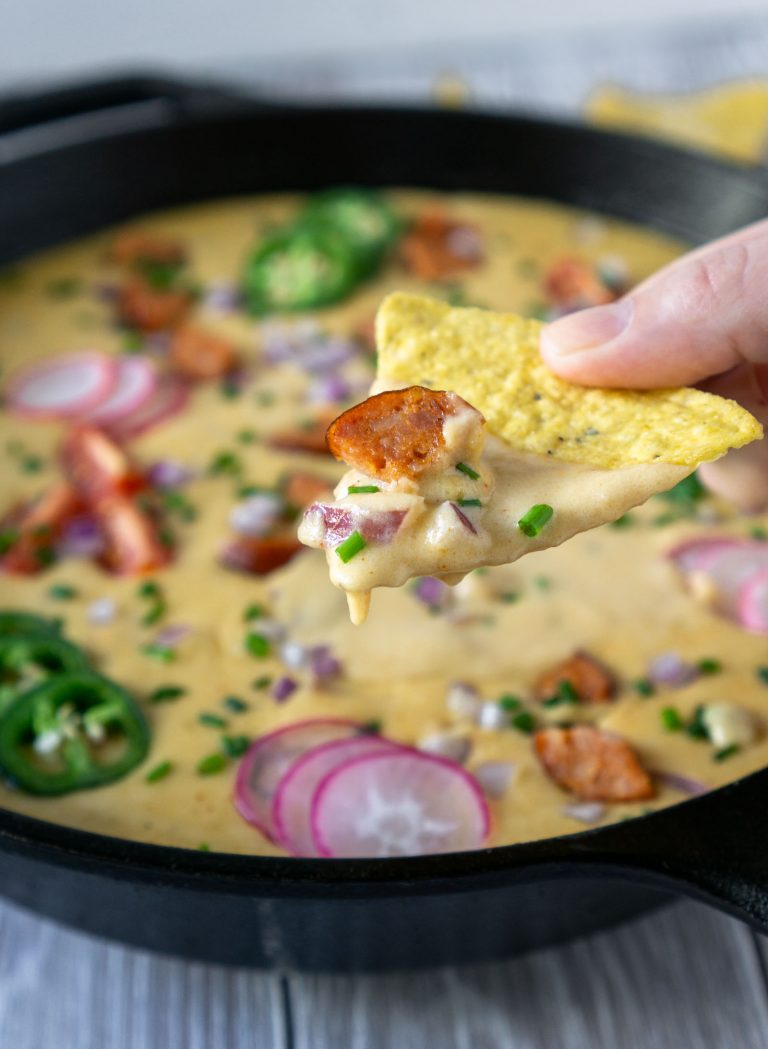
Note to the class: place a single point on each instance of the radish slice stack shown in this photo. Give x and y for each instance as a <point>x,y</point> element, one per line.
<point>124,394</point>
<point>326,788</point>
<point>730,574</point>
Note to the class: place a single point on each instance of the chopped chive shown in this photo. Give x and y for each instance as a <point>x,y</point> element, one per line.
<point>63,287</point>
<point>162,653</point>
<point>159,772</point>
<point>229,389</point>
<point>685,493</point>
<point>509,702</point>
<point>257,645</point>
<point>524,722</point>
<point>697,727</point>
<point>510,597</point>
<point>726,752</point>
<point>166,693</point>
<point>759,533</point>
<point>265,398</point>
<point>212,720</point>
<point>235,704</point>
<point>211,764</point>
<point>362,489</point>
<point>254,612</point>
<point>225,464</point>
<point>8,537</point>
<point>565,693</point>
<point>643,686</point>
<point>542,582</point>
<point>671,719</point>
<point>132,342</point>
<point>235,746</point>
<point>469,502</point>
<point>371,728</point>
<point>246,436</point>
<point>45,556</point>
<point>203,847</point>
<point>532,522</point>
<point>62,592</point>
<point>472,474</point>
<point>625,521</point>
<point>665,519</point>
<point>762,674</point>
<point>709,666</point>
<point>178,504</point>
<point>262,682</point>
<point>351,547</point>
<point>31,464</point>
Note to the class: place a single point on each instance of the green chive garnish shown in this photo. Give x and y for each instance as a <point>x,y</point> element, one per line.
<point>532,522</point>
<point>178,504</point>
<point>643,686</point>
<point>203,847</point>
<point>212,720</point>
<point>371,728</point>
<point>225,464</point>
<point>159,772</point>
<point>469,502</point>
<point>363,489</point>
<point>246,436</point>
<point>150,591</point>
<point>762,675</point>
<point>162,653</point>
<point>566,693</point>
<point>166,693</point>
<point>509,702</point>
<point>709,666</point>
<point>463,468</point>
<point>351,546</point>
<point>697,727</point>
<point>254,612</point>
<point>62,592</point>
<point>625,521</point>
<point>262,682</point>
<point>257,645</point>
<point>235,746</point>
<point>235,704</point>
<point>7,538</point>
<point>524,722</point>
<point>759,533</point>
<point>212,764</point>
<point>726,752</point>
<point>510,597</point>
<point>671,720</point>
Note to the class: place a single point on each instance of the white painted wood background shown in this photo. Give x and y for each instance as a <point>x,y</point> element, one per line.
<point>682,978</point>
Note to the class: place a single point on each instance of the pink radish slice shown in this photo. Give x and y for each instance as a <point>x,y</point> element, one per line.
<point>291,809</point>
<point>269,758</point>
<point>136,382</point>
<point>753,603</point>
<point>63,387</point>
<point>402,803</point>
<point>696,555</point>
<point>729,572</point>
<point>169,397</point>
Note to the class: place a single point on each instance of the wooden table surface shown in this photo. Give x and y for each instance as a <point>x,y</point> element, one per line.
<point>683,978</point>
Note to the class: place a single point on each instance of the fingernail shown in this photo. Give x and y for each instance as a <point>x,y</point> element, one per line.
<point>588,328</point>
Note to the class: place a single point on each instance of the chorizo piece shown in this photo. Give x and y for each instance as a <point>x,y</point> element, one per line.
<point>593,764</point>
<point>590,680</point>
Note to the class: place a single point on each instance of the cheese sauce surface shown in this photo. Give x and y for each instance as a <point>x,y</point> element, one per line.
<point>612,591</point>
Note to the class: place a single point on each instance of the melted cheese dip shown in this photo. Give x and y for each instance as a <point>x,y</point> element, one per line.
<point>610,591</point>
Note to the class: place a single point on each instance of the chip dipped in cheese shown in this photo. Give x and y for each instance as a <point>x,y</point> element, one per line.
<point>472,453</point>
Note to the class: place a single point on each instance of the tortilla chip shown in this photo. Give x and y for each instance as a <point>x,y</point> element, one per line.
<point>492,360</point>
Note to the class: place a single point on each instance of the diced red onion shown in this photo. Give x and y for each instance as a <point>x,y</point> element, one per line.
<point>171,636</point>
<point>465,243</point>
<point>494,777</point>
<point>447,745</point>
<point>307,348</point>
<point>464,519</point>
<point>684,784</point>
<point>105,291</point>
<point>283,688</point>
<point>462,699</point>
<point>491,716</point>
<point>670,668</point>
<point>323,664</point>
<point>157,342</point>
<point>101,611</point>
<point>294,655</point>
<point>585,811</point>
<point>432,592</point>
<point>167,473</point>
<point>81,537</point>
<point>340,522</point>
<point>328,389</point>
<point>269,628</point>
<point>256,515</point>
<point>221,297</point>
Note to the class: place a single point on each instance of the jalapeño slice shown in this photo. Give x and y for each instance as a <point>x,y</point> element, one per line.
<point>299,268</point>
<point>13,622</point>
<point>75,730</point>
<point>361,216</point>
<point>26,659</point>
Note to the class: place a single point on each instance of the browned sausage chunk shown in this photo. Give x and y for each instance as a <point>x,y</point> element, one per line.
<point>590,680</point>
<point>259,555</point>
<point>198,354</point>
<point>394,434</point>
<point>595,765</point>
<point>148,309</point>
<point>573,284</point>
<point>300,489</point>
<point>435,247</point>
<point>309,438</point>
<point>134,246</point>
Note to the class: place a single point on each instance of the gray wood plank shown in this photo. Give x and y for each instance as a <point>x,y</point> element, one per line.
<point>685,978</point>
<point>59,988</point>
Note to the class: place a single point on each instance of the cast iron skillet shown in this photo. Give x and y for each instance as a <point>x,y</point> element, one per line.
<point>75,160</point>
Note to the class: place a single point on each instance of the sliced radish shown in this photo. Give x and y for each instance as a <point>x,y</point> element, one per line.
<point>402,803</point>
<point>269,758</point>
<point>731,570</point>
<point>169,397</point>
<point>291,809</point>
<point>695,555</point>
<point>136,382</point>
<point>753,603</point>
<point>63,387</point>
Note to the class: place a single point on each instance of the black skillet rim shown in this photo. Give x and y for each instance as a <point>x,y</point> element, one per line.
<point>124,859</point>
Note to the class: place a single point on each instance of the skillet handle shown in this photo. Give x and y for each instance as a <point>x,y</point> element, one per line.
<point>713,848</point>
<point>36,121</point>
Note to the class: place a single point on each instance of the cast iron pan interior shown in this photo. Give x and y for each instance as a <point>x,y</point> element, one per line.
<point>88,156</point>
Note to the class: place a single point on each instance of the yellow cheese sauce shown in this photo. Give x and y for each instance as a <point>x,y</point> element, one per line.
<point>610,591</point>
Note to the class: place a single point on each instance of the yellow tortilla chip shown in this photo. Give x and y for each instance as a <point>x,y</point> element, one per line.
<point>730,119</point>
<point>492,360</point>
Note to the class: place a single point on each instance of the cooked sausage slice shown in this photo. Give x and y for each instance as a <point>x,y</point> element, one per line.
<point>300,489</point>
<point>395,434</point>
<point>35,529</point>
<point>149,309</point>
<point>573,283</point>
<point>133,545</point>
<point>198,354</point>
<point>259,555</point>
<point>309,438</point>
<point>435,247</point>
<point>131,247</point>
<point>588,677</point>
<point>96,465</point>
<point>593,764</point>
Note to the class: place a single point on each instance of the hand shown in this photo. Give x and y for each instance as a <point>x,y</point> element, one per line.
<point>702,320</point>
